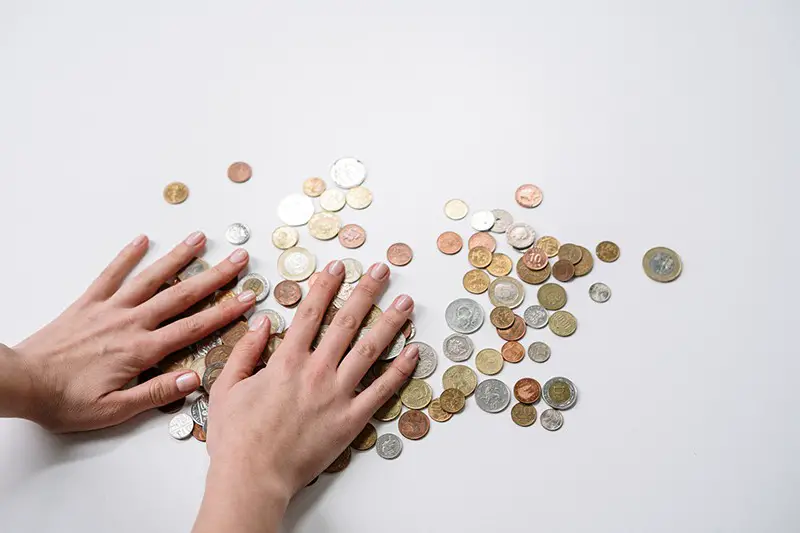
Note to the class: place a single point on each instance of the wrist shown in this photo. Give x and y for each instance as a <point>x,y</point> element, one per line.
<point>17,385</point>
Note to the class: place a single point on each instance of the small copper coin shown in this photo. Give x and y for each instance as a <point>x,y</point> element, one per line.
<point>366,439</point>
<point>399,254</point>
<point>483,239</point>
<point>198,433</point>
<point>240,172</point>
<point>449,243</point>
<point>234,332</point>
<point>340,463</point>
<point>502,317</point>
<point>534,277</point>
<point>414,424</point>
<point>528,195</point>
<point>535,258</point>
<point>436,412</point>
<point>176,193</point>
<point>313,187</point>
<point>523,414</point>
<point>352,236</point>
<point>288,293</point>
<point>512,351</point>
<point>479,257</point>
<point>570,252</point>
<point>452,400</point>
<point>515,332</point>
<point>563,270</point>
<point>527,390</point>
<point>607,252</point>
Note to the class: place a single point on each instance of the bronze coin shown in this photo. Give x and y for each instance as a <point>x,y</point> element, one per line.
<point>570,252</point>
<point>436,412</point>
<point>414,424</point>
<point>533,277</point>
<point>512,351</point>
<point>585,265</point>
<point>366,438</point>
<point>527,390</point>
<point>563,270</point>
<point>449,243</point>
<point>515,332</point>
<point>483,239</point>
<point>218,354</point>
<point>399,254</point>
<point>452,400</point>
<point>234,332</point>
<point>607,252</point>
<point>352,236</point>
<point>535,258</point>
<point>479,257</point>
<point>239,172</point>
<point>340,463</point>
<point>528,195</point>
<point>198,433</point>
<point>288,293</point>
<point>502,317</point>
<point>523,414</point>
<point>176,193</point>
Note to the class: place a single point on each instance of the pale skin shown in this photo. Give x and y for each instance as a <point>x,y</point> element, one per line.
<point>70,375</point>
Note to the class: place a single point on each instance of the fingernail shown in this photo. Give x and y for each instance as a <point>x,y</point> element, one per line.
<point>187,382</point>
<point>403,303</point>
<point>412,353</point>
<point>195,238</point>
<point>247,296</point>
<point>258,322</point>
<point>239,255</point>
<point>379,271</point>
<point>138,241</point>
<point>336,268</point>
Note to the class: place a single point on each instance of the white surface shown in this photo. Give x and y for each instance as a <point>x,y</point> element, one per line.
<point>669,123</point>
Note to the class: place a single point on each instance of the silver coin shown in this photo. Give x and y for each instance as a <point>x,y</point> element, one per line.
<point>343,294</point>
<point>348,172</point>
<point>562,385</point>
<point>458,347</point>
<point>412,333</point>
<point>395,347</point>
<point>428,360</point>
<point>296,264</point>
<point>539,352</point>
<point>551,420</point>
<point>599,292</point>
<point>536,316</point>
<point>520,235</point>
<point>323,329</point>
<point>332,200</point>
<point>492,395</point>
<point>276,321</point>
<point>197,266</point>
<point>464,315</point>
<point>482,220</point>
<point>502,220</point>
<point>203,346</point>
<point>456,209</point>
<point>181,426</point>
<point>353,270</point>
<point>237,233</point>
<point>506,291</point>
<point>295,209</point>
<point>389,446</point>
<point>260,296</point>
<point>199,411</point>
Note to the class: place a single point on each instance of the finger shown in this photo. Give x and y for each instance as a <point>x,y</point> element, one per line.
<point>245,355</point>
<point>370,399</point>
<point>349,318</point>
<point>309,314</point>
<point>146,283</point>
<point>183,295</point>
<point>114,274</point>
<point>156,392</point>
<point>366,351</point>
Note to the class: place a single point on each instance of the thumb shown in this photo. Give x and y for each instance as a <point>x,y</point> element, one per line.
<point>155,392</point>
<point>245,355</point>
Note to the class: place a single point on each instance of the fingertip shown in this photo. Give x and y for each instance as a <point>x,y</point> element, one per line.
<point>139,241</point>
<point>379,271</point>
<point>335,268</point>
<point>261,323</point>
<point>411,353</point>
<point>187,382</point>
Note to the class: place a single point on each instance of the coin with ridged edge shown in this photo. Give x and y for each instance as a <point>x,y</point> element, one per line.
<point>599,292</point>
<point>176,193</point>
<point>389,446</point>
<point>181,426</point>
<point>464,315</point>
<point>476,281</point>
<point>416,394</point>
<point>563,323</point>
<point>536,316</point>
<point>436,412</point>
<point>559,393</point>
<point>458,347</point>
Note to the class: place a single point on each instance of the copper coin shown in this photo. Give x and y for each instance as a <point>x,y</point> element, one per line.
<point>218,354</point>
<point>176,193</point>
<point>535,258</point>
<point>352,236</point>
<point>414,424</point>
<point>449,243</point>
<point>515,332</point>
<point>198,433</point>
<point>234,332</point>
<point>399,254</point>
<point>563,270</point>
<point>340,463</point>
<point>607,252</point>
<point>484,240</point>
<point>452,400</point>
<point>288,293</point>
<point>528,195</point>
<point>527,390</point>
<point>570,252</point>
<point>585,265</point>
<point>512,351</point>
<point>502,317</point>
<point>240,172</point>
<point>534,277</point>
<point>366,439</point>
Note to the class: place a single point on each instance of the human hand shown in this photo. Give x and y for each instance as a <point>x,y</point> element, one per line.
<point>75,368</point>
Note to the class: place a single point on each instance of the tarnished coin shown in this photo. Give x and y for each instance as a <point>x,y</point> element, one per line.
<point>352,236</point>
<point>552,420</point>
<point>479,257</point>
<point>199,433</point>
<point>218,354</point>
<point>340,463</point>
<point>358,197</point>
<point>501,265</point>
<point>285,237</point>
<point>237,233</point>
<point>607,252</point>
<point>662,264</point>
<point>256,283</point>
<point>536,316</point>
<point>198,411</point>
<point>313,187</point>
<point>288,293</point>
<point>416,394</point>
<point>599,292</point>
<point>389,446</point>
<point>229,336</point>
<point>570,252</point>
<point>520,235</point>
<point>549,244</point>
<point>515,332</point>
<point>476,281</point>
<point>492,395</point>
<point>211,374</point>
<point>452,400</point>
<point>460,377</point>
<point>296,264</point>
<point>563,323</point>
<point>389,410</point>
<point>365,439</point>
<point>458,347</point>
<point>414,425</point>
<point>533,277</point>
<point>528,195</point>
<point>585,265</point>
<point>563,270</point>
<point>552,296</point>
<point>181,426</point>
<point>240,172</point>
<point>502,317</point>
<point>523,414</point>
<point>324,226</point>
<point>456,209</point>
<point>539,352</point>
<point>197,266</point>
<point>559,393</point>
<point>399,254</point>
<point>464,315</point>
<point>502,220</point>
<point>527,390</point>
<point>535,258</point>
<point>482,220</point>
<point>436,412</point>
<point>482,239</point>
<point>332,200</point>
<point>512,351</point>
<point>353,269</point>
<point>449,243</point>
<point>427,362</point>
<point>506,291</point>
<point>295,210</point>
<point>176,193</point>
<point>343,294</point>
<point>348,172</point>
<point>489,361</point>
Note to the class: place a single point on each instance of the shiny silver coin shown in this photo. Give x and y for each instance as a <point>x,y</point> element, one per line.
<point>296,264</point>
<point>520,235</point>
<point>295,209</point>
<point>412,333</point>
<point>237,233</point>
<point>502,220</point>
<point>551,420</point>
<point>559,393</point>
<point>492,395</point>
<point>539,352</point>
<point>536,316</point>
<point>247,283</point>
<point>353,270</point>
<point>389,446</point>
<point>599,292</point>
<point>394,348</point>
<point>428,360</point>
<point>458,347</point>
<point>343,294</point>
<point>332,200</point>
<point>482,220</point>
<point>181,426</point>
<point>203,346</point>
<point>506,292</point>
<point>348,172</point>
<point>464,315</point>
<point>199,411</point>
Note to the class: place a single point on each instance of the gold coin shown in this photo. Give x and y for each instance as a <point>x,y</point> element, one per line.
<point>176,193</point>
<point>500,266</point>
<point>476,281</point>
<point>389,410</point>
<point>452,400</point>
<point>366,439</point>
<point>562,323</point>
<point>285,237</point>
<point>436,412</point>
<point>552,296</point>
<point>550,245</point>
<point>460,377</point>
<point>416,394</point>
<point>358,197</point>
<point>489,361</point>
<point>313,187</point>
<point>570,252</point>
<point>502,317</point>
<point>324,226</point>
<point>585,265</point>
<point>662,264</point>
<point>607,252</point>
<point>479,257</point>
<point>523,414</point>
<point>533,277</point>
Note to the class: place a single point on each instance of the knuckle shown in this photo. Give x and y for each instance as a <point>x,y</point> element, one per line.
<point>157,392</point>
<point>183,294</point>
<point>192,325</point>
<point>345,321</point>
<point>383,390</point>
<point>368,289</point>
<point>401,372</point>
<point>366,349</point>
<point>310,312</point>
<point>393,321</point>
<point>325,283</point>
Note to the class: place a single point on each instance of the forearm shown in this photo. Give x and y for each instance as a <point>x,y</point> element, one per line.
<point>16,386</point>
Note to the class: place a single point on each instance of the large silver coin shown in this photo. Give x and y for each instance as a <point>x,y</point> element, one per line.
<point>296,209</point>
<point>458,347</point>
<point>237,233</point>
<point>506,291</point>
<point>348,172</point>
<point>389,446</point>
<point>539,352</point>
<point>353,270</point>
<point>551,420</point>
<point>482,220</point>
<point>520,235</point>
<point>502,220</point>
<point>395,347</point>
<point>296,264</point>
<point>599,292</point>
<point>261,295</point>
<point>559,393</point>
<point>492,395</point>
<point>536,316</point>
<point>427,362</point>
<point>464,315</point>
<point>332,200</point>
<point>199,411</point>
<point>181,426</point>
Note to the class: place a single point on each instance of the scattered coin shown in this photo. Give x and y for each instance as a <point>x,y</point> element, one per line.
<point>296,264</point>
<point>533,277</point>
<point>458,347</point>
<point>353,270</point>
<point>515,332</point>
<point>240,172</point>
<point>552,420</point>
<point>352,236</point>
<point>599,292</point>
<point>527,390</point>
<point>482,239</point>
<point>416,394</point>
<point>607,252</point>
<point>332,200</point>
<point>211,374</point>
<point>502,220</point>
<point>399,254</point>
<point>285,237</point>
<point>199,433</point>
<point>492,395</point>
<point>348,172</point>
<point>489,361</point>
<point>520,235</point>
<point>536,316</point>
<point>436,412</point>
<point>482,220</point>
<point>389,446</point>
<point>256,283</point>
<point>502,317</point>
<point>324,226</point>
<point>452,401</point>
<point>456,209</point>
<point>523,414</point>
<point>237,233</point>
<point>563,270</point>
<point>389,410</point>
<point>585,265</point>
<point>295,210</point>
<point>512,351</point>
<point>559,393</point>
<point>464,315</point>
<point>449,243</point>
<point>539,352</point>
<point>563,323</point>
<point>476,281</point>
<point>288,293</point>
<point>500,266</point>
<point>535,258</point>
<point>528,195</point>
<point>313,187</point>
<point>550,245</point>
<point>176,193</point>
<point>507,292</point>
<point>340,463</point>
<point>479,257</point>
<point>358,197</point>
<point>570,252</point>
<point>427,362</point>
<point>662,264</point>
<point>460,377</point>
<point>365,439</point>
<point>552,296</point>
<point>181,426</point>
<point>414,425</point>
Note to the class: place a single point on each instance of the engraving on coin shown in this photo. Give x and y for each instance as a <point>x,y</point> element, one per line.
<point>563,323</point>
<point>358,197</point>
<point>458,347</point>
<point>464,315</point>
<point>528,195</point>
<point>515,332</point>
<point>506,291</point>
<point>352,236</point>
<point>348,172</point>
<point>288,293</point>
<point>199,411</point>
<point>535,258</point>
<point>489,361</point>
<point>218,354</point>
<point>563,270</point>
<point>533,277</point>
<point>460,377</point>
<point>449,243</point>
<point>197,266</point>
<point>536,316</point>
<point>456,209</point>
<point>414,425</point>
<point>181,426</point>
<point>476,281</point>
<point>231,334</point>
<point>276,322</point>
<point>607,252</point>
<point>389,410</point>
<point>512,351</point>
<point>479,257</point>
<point>539,352</point>
<point>389,446</point>
<point>436,412</point>
<point>296,264</point>
<point>549,244</point>
<point>239,172</point>
<point>452,400</point>
<point>332,200</point>
<point>256,283</point>
<point>527,390</point>
<point>570,252</point>
<point>353,270</point>
<point>552,297</point>
<point>492,395</point>
<point>416,394</point>
<point>552,420</point>
<point>502,317</point>
<point>523,414</point>
<point>237,233</point>
<point>176,193</point>
<point>313,187</point>
<point>345,290</point>
<point>559,393</point>
<point>520,235</point>
<point>285,237</point>
<point>482,239</point>
<point>662,264</point>
<point>399,254</point>
<point>599,292</point>
<point>482,220</point>
<point>501,265</point>
<point>211,374</point>
<point>427,362</point>
<point>502,220</point>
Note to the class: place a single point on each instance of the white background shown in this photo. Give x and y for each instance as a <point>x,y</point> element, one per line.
<point>647,123</point>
